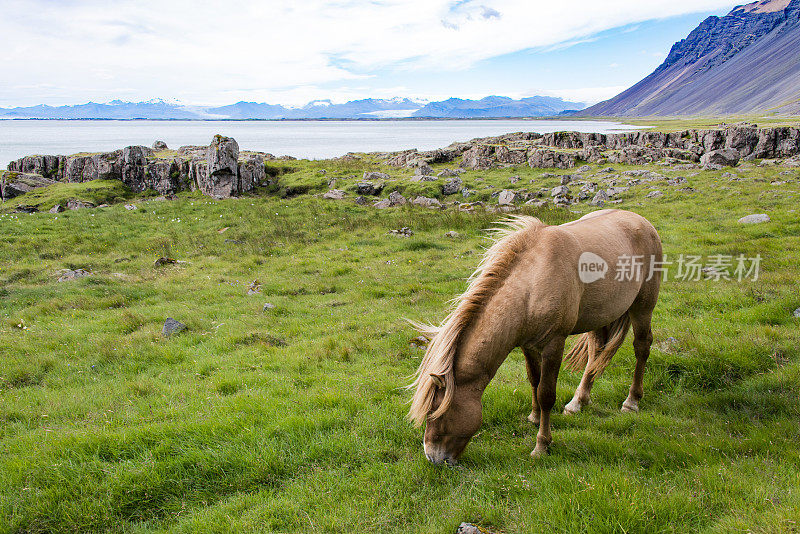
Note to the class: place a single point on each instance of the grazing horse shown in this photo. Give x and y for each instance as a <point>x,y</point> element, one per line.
<point>536,285</point>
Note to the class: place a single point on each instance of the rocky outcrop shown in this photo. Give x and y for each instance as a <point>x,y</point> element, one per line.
<point>138,167</point>
<point>565,150</point>
<point>47,166</point>
<point>13,184</point>
<point>221,179</point>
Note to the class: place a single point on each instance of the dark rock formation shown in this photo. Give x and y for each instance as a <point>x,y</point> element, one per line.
<point>140,169</point>
<point>13,184</point>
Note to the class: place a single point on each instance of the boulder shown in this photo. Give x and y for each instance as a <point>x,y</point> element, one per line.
<point>252,172</point>
<point>369,176</point>
<point>427,202</point>
<point>14,184</point>
<point>396,199</point>
<point>75,204</point>
<point>423,170</point>
<point>222,173</point>
<point>334,194</point>
<point>506,197</point>
<point>600,198</point>
<point>171,326</point>
<point>560,191</point>
<point>452,186</point>
<point>479,157</point>
<point>756,218</point>
<point>160,145</point>
<point>134,161</point>
<point>68,275</point>
<point>727,157</point>
<point>369,188</point>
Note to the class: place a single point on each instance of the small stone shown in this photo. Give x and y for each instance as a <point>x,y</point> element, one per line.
<point>160,145</point>
<point>566,179</point>
<point>334,194</point>
<point>396,199</point>
<point>171,326</point>
<point>402,232</point>
<point>797,313</point>
<point>469,528</point>
<point>58,208</point>
<point>514,179</point>
<point>254,287</point>
<point>361,201</point>
<point>130,207</point>
<point>506,198</point>
<point>268,306</point>
<point>583,169</point>
<point>368,176</point>
<point>423,170</point>
<point>600,198</point>
<point>452,234</point>
<point>382,204</point>
<point>160,262</point>
<point>560,191</point>
<point>453,186</point>
<point>427,202</point>
<point>73,275</point>
<point>756,218</point>
<point>74,204</point>
<point>654,194</point>
<point>369,188</point>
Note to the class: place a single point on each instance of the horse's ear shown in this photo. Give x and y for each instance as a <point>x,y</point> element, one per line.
<point>438,380</point>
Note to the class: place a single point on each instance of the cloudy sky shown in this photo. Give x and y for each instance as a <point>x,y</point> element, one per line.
<point>290,52</point>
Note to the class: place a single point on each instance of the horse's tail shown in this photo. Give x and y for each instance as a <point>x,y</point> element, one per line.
<point>598,347</point>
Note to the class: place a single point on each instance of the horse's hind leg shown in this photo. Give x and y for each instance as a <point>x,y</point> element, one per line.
<point>643,338</point>
<point>534,373</point>
<point>582,395</point>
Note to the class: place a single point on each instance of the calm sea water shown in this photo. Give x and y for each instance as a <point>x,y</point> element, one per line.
<point>302,139</point>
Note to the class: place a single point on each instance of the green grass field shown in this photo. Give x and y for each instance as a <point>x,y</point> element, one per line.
<point>292,419</point>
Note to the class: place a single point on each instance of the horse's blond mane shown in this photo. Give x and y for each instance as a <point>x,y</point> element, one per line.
<point>439,359</point>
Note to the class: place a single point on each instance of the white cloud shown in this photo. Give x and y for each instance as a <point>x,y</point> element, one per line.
<point>210,52</point>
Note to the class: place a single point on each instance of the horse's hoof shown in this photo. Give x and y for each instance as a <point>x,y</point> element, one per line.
<point>572,408</point>
<point>539,452</point>
<point>630,407</point>
<point>533,419</point>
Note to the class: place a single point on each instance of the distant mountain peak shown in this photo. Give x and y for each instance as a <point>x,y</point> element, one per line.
<point>368,108</point>
<point>763,6</point>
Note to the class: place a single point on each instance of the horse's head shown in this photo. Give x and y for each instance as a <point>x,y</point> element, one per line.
<point>447,433</point>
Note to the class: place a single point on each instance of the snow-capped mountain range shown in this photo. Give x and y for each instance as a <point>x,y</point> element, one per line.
<point>370,108</point>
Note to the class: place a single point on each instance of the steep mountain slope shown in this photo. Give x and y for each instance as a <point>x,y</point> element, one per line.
<point>745,62</point>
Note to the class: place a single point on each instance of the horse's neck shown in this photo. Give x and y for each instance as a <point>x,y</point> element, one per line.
<point>486,343</point>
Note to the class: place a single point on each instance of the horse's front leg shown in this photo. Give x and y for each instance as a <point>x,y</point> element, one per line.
<point>534,373</point>
<point>552,354</point>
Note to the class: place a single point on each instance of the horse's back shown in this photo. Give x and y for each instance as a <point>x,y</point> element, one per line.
<point>611,255</point>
